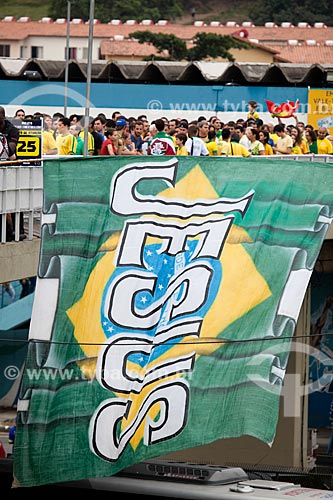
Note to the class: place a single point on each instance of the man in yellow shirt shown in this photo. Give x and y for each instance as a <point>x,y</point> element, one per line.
<point>230,145</point>
<point>211,145</point>
<point>237,149</point>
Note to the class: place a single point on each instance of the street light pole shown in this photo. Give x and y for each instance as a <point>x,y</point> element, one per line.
<point>89,66</point>
<point>67,55</point>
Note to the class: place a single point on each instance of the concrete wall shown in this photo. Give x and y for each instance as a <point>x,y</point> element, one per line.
<point>19,260</point>
<point>54,47</point>
<point>253,55</point>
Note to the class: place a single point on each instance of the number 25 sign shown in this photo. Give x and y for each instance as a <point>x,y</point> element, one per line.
<point>28,147</point>
<point>29,144</point>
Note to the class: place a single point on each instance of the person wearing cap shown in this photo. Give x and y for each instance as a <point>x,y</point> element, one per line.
<point>183,127</point>
<point>122,129</point>
<point>121,123</point>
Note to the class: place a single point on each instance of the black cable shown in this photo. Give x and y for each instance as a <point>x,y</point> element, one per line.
<point>200,341</point>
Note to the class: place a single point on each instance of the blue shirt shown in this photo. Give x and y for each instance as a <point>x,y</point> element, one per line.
<point>137,142</point>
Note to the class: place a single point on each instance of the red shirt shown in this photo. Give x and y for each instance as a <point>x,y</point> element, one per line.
<point>104,148</point>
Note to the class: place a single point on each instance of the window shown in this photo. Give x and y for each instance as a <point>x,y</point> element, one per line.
<point>85,53</point>
<point>4,50</point>
<point>37,52</point>
<point>71,52</point>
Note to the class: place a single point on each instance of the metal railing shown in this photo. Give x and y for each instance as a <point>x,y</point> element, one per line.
<point>21,192</point>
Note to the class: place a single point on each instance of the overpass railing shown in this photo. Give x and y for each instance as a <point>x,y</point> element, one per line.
<point>21,192</point>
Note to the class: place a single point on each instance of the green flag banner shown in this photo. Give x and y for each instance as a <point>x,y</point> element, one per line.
<point>167,295</point>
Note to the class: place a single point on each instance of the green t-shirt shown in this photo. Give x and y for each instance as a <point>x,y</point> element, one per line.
<point>313,148</point>
<point>80,146</point>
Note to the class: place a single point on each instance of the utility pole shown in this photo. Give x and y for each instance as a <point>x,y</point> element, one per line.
<point>67,55</point>
<point>90,47</point>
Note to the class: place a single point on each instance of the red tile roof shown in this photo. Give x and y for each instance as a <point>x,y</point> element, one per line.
<point>131,47</point>
<point>273,40</point>
<point>301,54</point>
<point>19,31</point>
<point>126,48</point>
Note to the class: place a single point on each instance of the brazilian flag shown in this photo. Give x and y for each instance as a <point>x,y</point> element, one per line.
<point>167,296</point>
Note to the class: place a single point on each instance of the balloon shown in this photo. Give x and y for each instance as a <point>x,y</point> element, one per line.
<point>284,110</point>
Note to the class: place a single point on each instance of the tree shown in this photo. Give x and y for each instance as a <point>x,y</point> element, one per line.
<point>119,9</point>
<point>212,45</point>
<point>298,10</point>
<point>206,45</point>
<point>175,46</point>
<point>79,9</point>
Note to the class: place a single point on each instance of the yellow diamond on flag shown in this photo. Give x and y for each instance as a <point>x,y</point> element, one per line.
<point>231,301</point>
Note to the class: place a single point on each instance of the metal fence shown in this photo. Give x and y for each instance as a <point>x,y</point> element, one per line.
<point>21,193</point>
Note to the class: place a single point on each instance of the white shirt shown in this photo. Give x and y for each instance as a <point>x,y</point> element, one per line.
<point>245,141</point>
<point>196,147</point>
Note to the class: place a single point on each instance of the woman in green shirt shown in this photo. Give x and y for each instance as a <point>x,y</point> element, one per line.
<point>311,137</point>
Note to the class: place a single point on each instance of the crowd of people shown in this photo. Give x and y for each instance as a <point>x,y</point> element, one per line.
<point>206,136</point>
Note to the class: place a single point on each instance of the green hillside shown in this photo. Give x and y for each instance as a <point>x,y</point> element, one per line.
<point>258,11</point>
<point>207,11</point>
<point>35,9</point>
